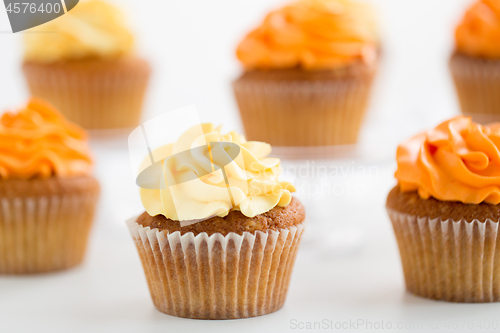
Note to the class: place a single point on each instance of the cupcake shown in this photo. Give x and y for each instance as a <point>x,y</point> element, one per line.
<point>47,194</point>
<point>445,211</point>
<point>219,237</point>
<point>86,67</point>
<point>308,71</point>
<point>475,64</point>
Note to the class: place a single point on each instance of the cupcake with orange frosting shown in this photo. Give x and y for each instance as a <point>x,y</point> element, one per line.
<point>308,71</point>
<point>84,64</point>
<point>445,211</point>
<point>220,232</point>
<point>475,65</point>
<point>47,193</point>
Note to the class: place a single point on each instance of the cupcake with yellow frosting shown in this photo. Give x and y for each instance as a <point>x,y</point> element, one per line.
<point>308,73</point>
<point>475,65</point>
<point>47,193</point>
<point>220,232</point>
<point>445,211</point>
<point>84,63</point>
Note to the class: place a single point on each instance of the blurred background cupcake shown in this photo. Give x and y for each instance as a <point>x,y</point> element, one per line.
<point>84,63</point>
<point>308,70</point>
<point>475,65</point>
<point>445,211</point>
<point>47,193</point>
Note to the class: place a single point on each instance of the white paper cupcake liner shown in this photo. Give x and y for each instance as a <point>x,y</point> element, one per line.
<point>44,234</point>
<point>217,277</point>
<point>456,261</point>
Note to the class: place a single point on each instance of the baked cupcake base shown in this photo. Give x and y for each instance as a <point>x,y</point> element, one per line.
<point>477,82</point>
<point>294,107</point>
<point>449,251</point>
<point>219,275</point>
<point>45,224</point>
<point>96,94</point>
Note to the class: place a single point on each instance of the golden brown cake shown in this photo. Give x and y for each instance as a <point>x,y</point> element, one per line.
<point>308,74</point>
<point>411,203</point>
<point>275,219</point>
<point>89,72</point>
<point>445,212</point>
<point>210,255</point>
<point>47,194</point>
<point>475,64</point>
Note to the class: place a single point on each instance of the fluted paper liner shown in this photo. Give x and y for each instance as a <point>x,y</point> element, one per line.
<point>217,277</point>
<point>44,234</point>
<point>477,82</point>
<point>456,261</point>
<point>93,95</point>
<point>303,113</point>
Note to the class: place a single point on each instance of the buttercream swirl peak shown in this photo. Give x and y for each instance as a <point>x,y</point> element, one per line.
<point>93,29</point>
<point>200,182</point>
<point>37,142</point>
<point>312,34</point>
<point>478,34</point>
<point>458,160</point>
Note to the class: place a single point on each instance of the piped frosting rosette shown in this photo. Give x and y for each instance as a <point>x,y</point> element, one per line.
<point>478,33</point>
<point>93,29</point>
<point>38,142</point>
<point>205,174</point>
<point>313,35</point>
<point>459,160</point>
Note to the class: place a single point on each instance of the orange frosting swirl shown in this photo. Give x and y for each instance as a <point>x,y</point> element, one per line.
<point>457,161</point>
<point>312,34</point>
<point>38,142</point>
<point>478,34</point>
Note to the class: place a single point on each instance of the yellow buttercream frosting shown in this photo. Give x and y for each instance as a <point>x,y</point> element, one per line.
<point>198,182</point>
<point>92,29</point>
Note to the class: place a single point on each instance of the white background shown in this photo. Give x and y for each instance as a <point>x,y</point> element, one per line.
<point>351,273</point>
